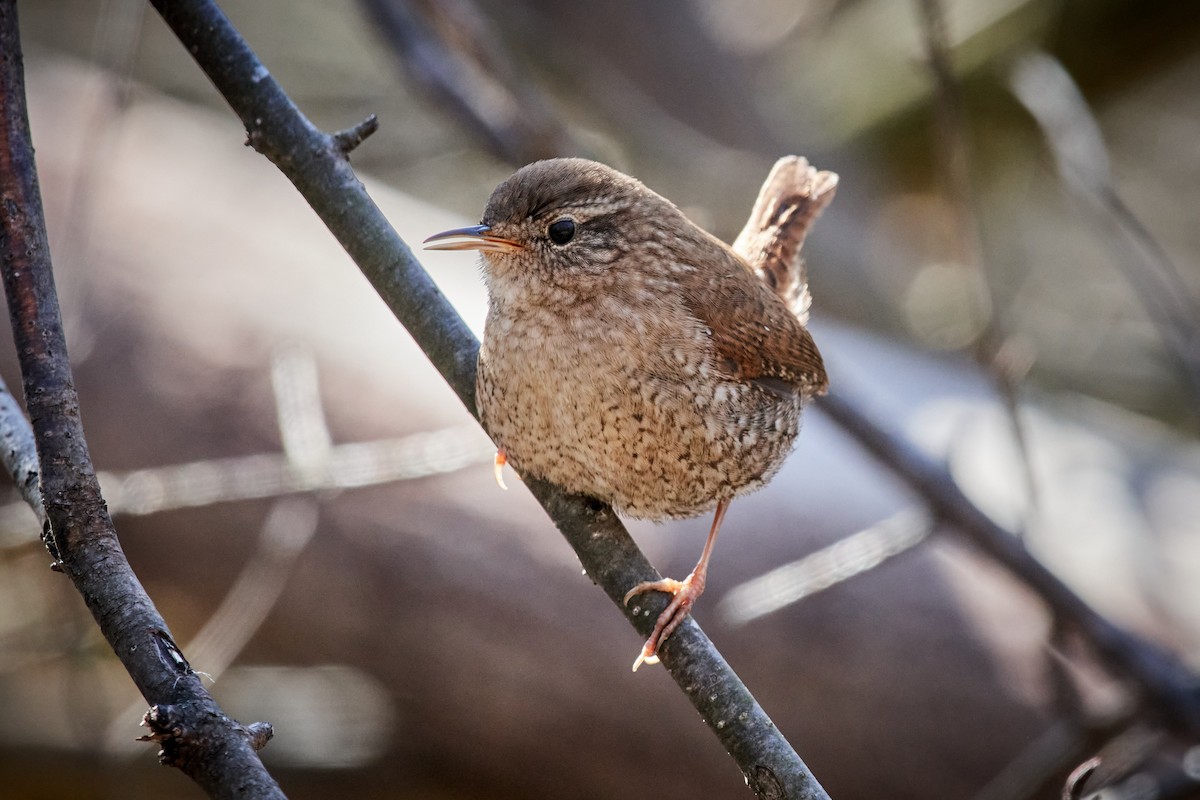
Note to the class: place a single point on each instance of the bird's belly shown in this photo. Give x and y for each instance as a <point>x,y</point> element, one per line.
<point>651,448</point>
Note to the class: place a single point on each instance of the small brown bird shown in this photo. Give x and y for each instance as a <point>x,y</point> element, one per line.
<point>631,356</point>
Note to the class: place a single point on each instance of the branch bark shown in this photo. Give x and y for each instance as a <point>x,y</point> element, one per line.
<point>195,735</point>
<point>319,169</point>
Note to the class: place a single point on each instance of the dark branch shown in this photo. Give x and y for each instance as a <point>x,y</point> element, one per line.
<point>449,49</point>
<point>313,162</point>
<point>345,141</point>
<point>1169,688</point>
<point>207,745</point>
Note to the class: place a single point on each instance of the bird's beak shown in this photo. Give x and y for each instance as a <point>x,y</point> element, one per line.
<point>471,238</point>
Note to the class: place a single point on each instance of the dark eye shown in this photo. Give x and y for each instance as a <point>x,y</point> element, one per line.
<point>561,231</point>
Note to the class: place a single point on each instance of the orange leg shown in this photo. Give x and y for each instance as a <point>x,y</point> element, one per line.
<point>685,593</point>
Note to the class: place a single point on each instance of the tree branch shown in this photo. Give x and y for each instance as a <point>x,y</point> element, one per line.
<point>196,736</point>
<point>313,162</point>
<point>449,50</point>
<point>18,451</point>
<point>1047,90</point>
<point>1168,686</point>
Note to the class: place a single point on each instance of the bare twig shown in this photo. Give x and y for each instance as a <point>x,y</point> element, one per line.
<point>289,527</point>
<point>351,465</point>
<point>1168,686</point>
<point>350,138</point>
<point>449,49</point>
<point>312,161</point>
<point>1047,91</point>
<point>1073,789</point>
<point>829,566</point>
<point>201,740</point>
<point>19,452</point>
<point>955,158</point>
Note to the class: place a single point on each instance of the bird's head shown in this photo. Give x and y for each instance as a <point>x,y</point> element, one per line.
<point>565,226</point>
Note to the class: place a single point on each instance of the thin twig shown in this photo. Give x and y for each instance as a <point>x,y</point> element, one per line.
<point>1046,89</point>
<point>351,465</point>
<point>18,451</point>
<point>1168,686</point>
<point>196,735</point>
<point>289,527</point>
<point>955,158</point>
<point>844,559</point>
<point>1073,788</point>
<point>449,50</point>
<point>350,138</point>
<point>311,160</point>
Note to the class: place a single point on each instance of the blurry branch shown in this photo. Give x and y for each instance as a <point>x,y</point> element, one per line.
<point>312,160</point>
<point>1137,763</point>
<point>1165,685</point>
<point>223,480</point>
<point>309,463</point>
<point>1045,88</point>
<point>1077,732</point>
<point>1073,789</point>
<point>288,529</point>
<point>302,426</point>
<point>448,48</point>
<point>195,734</point>
<point>18,451</point>
<point>955,157</point>
<point>115,39</point>
<point>853,555</point>
<point>1043,760</point>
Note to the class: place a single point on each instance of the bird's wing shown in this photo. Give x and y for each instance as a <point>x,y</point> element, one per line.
<point>755,334</point>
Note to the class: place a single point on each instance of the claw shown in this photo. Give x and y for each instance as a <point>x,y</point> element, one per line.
<point>644,658</point>
<point>685,593</point>
<point>498,468</point>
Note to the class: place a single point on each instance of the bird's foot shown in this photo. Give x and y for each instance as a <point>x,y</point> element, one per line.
<point>685,593</point>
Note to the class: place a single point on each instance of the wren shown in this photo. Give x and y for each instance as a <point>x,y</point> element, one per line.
<point>631,356</point>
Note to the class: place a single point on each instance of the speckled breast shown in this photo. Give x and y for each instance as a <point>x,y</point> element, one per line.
<point>655,437</point>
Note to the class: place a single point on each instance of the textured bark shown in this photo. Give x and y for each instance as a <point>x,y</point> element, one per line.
<point>204,743</point>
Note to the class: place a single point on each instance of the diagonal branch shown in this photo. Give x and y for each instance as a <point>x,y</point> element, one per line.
<point>1168,687</point>
<point>196,736</point>
<point>313,161</point>
<point>1047,90</point>
<point>449,50</point>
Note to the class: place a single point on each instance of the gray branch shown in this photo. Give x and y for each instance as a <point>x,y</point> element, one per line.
<point>1169,688</point>
<point>194,733</point>
<point>19,452</point>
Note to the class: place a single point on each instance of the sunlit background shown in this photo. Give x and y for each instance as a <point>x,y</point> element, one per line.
<point>1008,276</point>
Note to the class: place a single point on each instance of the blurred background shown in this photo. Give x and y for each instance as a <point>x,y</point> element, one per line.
<point>1008,275</point>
